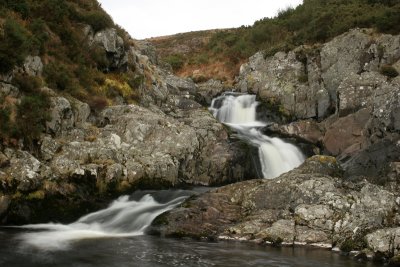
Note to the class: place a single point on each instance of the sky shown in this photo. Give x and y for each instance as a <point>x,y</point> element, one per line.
<point>152,18</point>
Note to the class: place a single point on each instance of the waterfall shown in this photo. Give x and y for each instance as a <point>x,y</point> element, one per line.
<point>123,218</point>
<point>239,112</point>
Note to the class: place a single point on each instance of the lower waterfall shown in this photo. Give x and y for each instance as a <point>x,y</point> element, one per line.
<point>238,111</point>
<point>123,218</point>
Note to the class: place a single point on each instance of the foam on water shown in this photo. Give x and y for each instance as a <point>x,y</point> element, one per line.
<point>239,112</point>
<point>123,218</point>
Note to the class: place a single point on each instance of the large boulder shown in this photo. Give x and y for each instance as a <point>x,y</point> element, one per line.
<point>278,80</point>
<point>33,66</point>
<point>61,116</point>
<point>114,48</point>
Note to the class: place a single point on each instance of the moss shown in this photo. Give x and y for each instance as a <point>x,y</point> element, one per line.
<point>161,220</point>
<point>303,78</point>
<point>37,195</point>
<point>326,159</point>
<point>358,243</point>
<point>389,71</point>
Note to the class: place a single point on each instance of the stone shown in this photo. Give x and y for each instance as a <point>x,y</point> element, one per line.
<point>33,66</point>
<point>80,110</point>
<point>208,90</point>
<point>348,140</point>
<point>341,57</point>
<point>9,90</point>
<point>310,205</point>
<point>62,117</point>
<point>385,241</point>
<point>113,45</point>
<point>357,91</point>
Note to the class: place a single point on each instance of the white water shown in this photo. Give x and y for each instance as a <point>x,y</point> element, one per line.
<point>122,218</point>
<point>239,112</point>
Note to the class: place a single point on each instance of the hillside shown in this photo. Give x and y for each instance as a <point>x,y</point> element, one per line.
<point>63,45</point>
<point>312,22</point>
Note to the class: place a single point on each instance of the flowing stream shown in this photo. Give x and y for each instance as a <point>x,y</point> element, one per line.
<point>115,237</point>
<point>238,111</point>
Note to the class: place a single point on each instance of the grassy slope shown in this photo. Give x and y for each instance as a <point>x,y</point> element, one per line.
<point>314,21</point>
<point>52,29</point>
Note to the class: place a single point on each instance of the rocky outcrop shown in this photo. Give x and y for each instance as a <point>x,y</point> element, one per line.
<point>282,80</point>
<point>128,147</point>
<point>311,205</point>
<point>207,91</point>
<point>346,105</point>
<point>306,82</point>
<point>33,66</point>
<point>112,44</point>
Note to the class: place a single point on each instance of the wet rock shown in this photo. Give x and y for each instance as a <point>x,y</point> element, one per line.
<point>208,90</point>
<point>306,130</point>
<point>4,204</point>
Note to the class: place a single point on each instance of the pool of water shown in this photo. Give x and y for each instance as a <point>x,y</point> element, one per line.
<point>154,251</point>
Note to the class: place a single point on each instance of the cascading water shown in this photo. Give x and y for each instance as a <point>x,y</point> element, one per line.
<point>239,112</point>
<point>123,218</point>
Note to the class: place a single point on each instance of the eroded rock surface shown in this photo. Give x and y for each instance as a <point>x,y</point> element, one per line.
<point>311,205</point>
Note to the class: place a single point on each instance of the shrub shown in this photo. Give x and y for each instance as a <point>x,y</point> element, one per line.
<point>98,103</point>
<point>32,114</point>
<point>389,71</point>
<point>99,20</point>
<point>58,76</point>
<point>176,61</point>
<point>13,45</point>
<point>4,122</point>
<point>27,83</point>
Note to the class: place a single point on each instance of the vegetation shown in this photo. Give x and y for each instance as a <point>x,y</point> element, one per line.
<point>314,21</point>
<point>389,71</point>
<point>53,30</point>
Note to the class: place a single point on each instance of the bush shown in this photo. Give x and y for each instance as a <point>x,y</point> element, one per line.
<point>32,114</point>
<point>58,76</point>
<point>14,45</point>
<point>98,103</point>
<point>4,122</point>
<point>176,61</point>
<point>99,20</point>
<point>389,71</point>
<point>26,83</point>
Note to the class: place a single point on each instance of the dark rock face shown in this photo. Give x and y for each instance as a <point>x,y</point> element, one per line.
<point>311,205</point>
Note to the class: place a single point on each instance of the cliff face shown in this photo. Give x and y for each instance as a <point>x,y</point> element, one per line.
<point>348,87</point>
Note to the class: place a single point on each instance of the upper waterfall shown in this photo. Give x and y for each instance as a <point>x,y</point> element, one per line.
<point>239,112</point>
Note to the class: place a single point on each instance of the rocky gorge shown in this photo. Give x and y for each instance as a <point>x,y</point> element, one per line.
<point>338,98</point>
<point>335,97</point>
